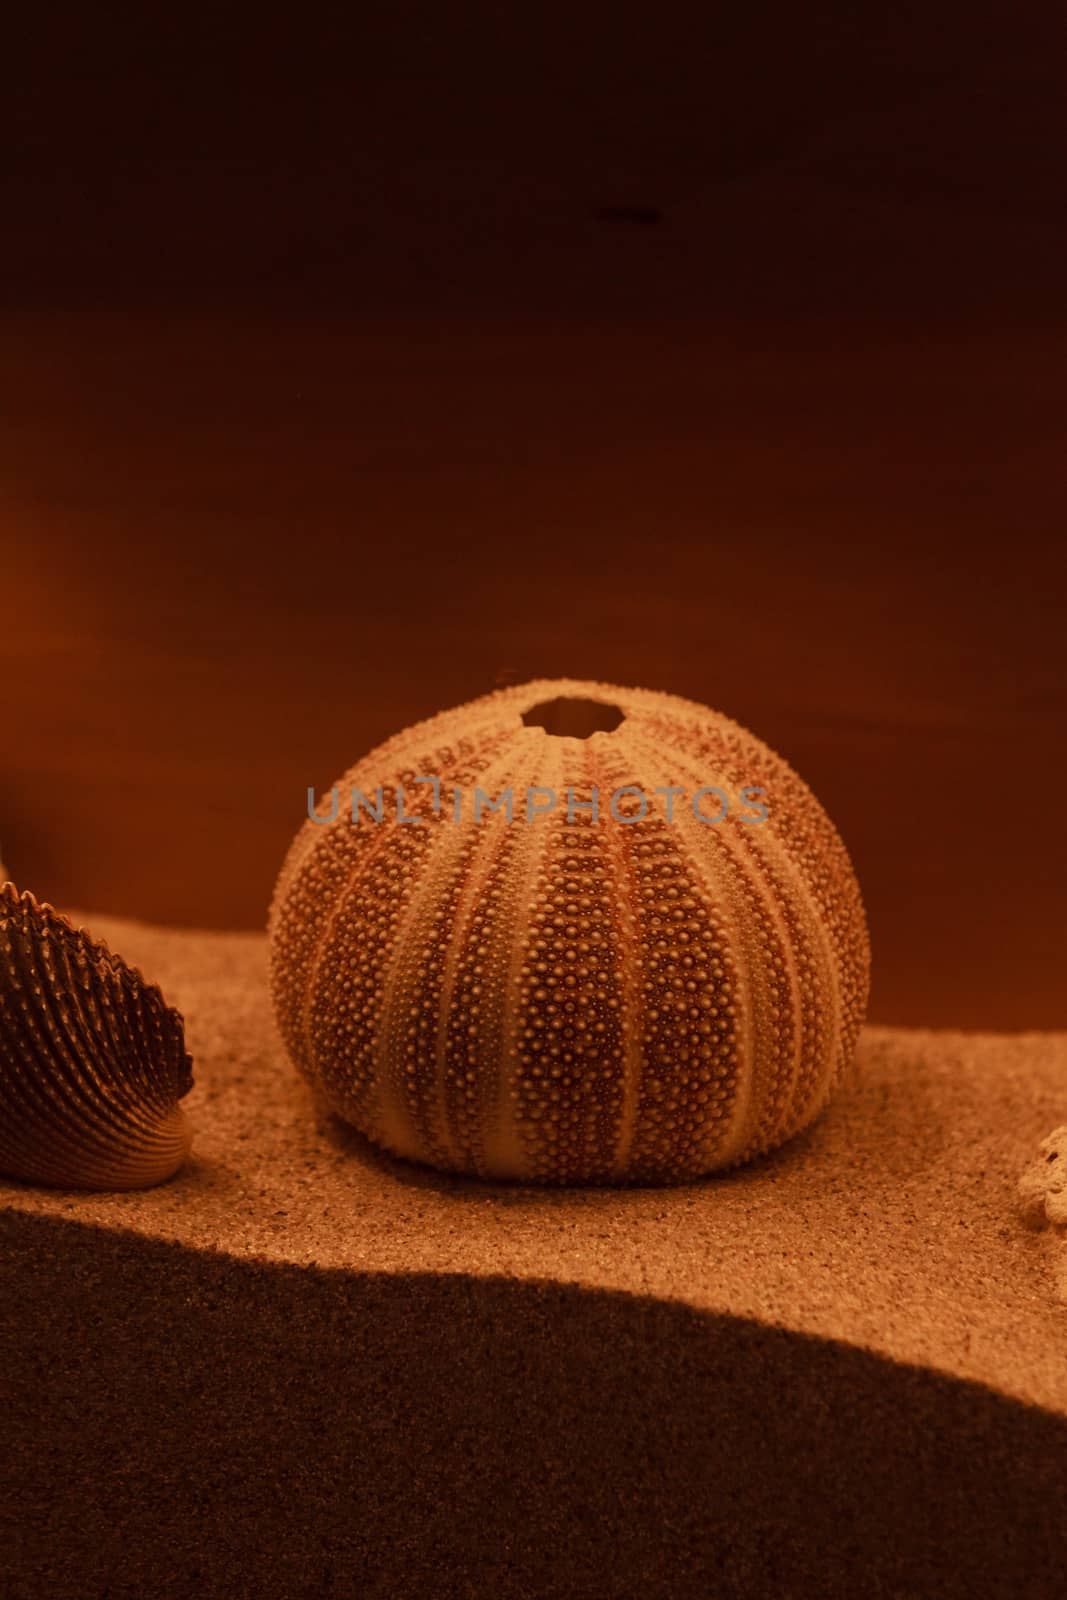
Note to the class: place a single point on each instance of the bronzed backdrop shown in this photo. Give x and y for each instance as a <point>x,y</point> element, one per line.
<point>352,368</point>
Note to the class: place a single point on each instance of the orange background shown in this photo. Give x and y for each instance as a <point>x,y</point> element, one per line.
<point>337,390</point>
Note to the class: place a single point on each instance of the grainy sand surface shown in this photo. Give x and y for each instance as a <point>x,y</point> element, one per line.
<point>870,1289</point>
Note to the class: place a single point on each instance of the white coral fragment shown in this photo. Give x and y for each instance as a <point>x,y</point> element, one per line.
<point>1043,1199</point>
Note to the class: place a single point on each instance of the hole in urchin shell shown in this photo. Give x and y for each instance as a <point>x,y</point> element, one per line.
<point>571,717</point>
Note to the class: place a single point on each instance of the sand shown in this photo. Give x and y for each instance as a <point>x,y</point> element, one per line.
<point>303,1367</point>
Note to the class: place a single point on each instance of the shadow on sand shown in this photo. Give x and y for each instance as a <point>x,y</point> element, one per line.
<point>180,1423</point>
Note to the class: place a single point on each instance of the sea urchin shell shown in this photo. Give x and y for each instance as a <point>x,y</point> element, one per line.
<point>92,1059</point>
<point>569,996</point>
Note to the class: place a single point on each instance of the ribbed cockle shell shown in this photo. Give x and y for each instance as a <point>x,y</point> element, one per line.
<point>566,997</point>
<point>92,1059</point>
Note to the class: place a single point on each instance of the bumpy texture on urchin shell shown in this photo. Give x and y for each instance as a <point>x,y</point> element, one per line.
<point>92,1059</point>
<point>563,1001</point>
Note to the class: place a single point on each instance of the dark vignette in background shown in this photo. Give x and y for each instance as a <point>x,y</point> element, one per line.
<point>354,362</point>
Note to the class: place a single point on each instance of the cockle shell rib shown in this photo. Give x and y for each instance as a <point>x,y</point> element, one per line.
<point>92,1059</point>
<point>571,1001</point>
